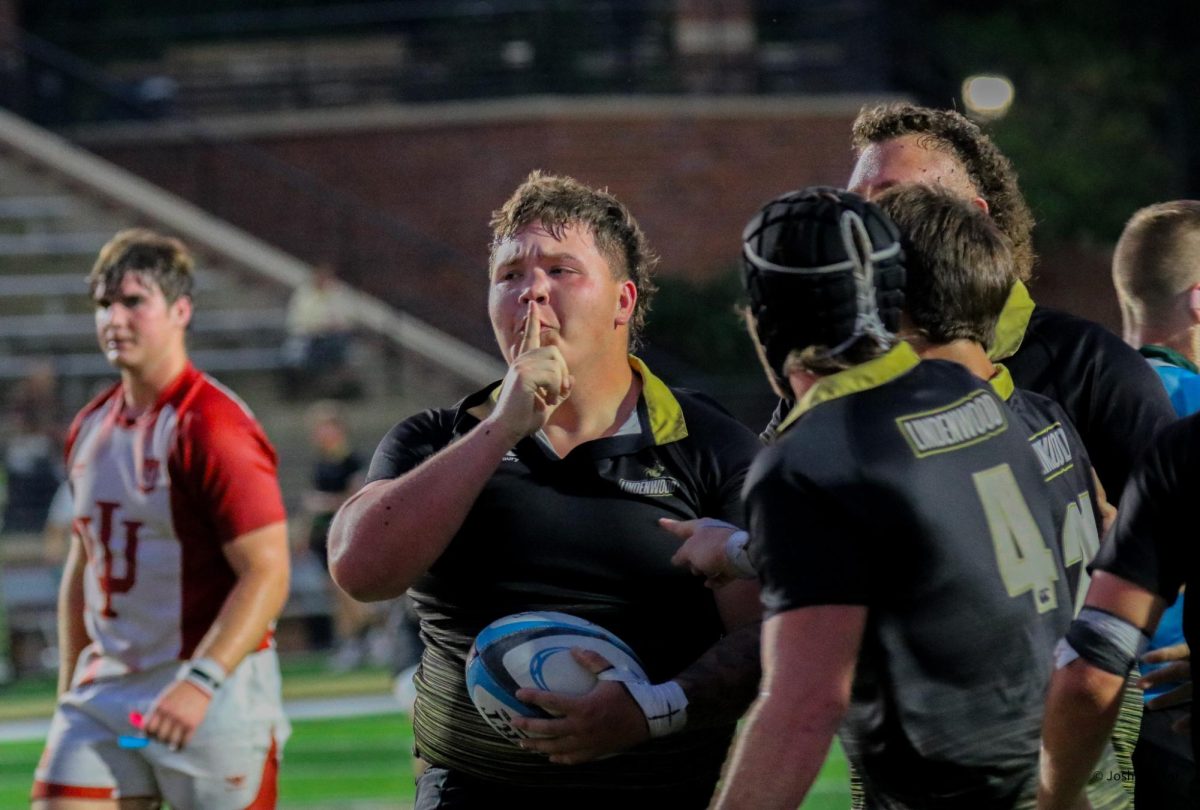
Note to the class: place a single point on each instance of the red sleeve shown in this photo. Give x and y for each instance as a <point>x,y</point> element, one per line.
<point>229,466</point>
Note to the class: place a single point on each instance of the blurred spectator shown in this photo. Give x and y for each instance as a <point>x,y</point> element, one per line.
<point>338,474</point>
<point>32,451</point>
<point>32,468</point>
<point>317,351</point>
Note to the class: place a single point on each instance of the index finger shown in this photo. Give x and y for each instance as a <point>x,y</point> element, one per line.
<point>681,529</point>
<point>532,339</point>
<point>1176,652</point>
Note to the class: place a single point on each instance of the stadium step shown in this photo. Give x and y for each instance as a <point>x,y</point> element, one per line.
<point>49,237</point>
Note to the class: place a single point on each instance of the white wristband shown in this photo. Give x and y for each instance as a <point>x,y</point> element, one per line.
<point>664,704</point>
<point>203,673</point>
<point>738,556</point>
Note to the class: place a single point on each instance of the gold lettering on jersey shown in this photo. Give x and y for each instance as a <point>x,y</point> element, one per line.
<point>654,487</point>
<point>968,421</point>
<point>1053,451</point>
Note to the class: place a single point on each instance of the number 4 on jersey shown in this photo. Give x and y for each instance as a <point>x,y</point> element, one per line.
<point>1080,542</point>
<point>1026,563</point>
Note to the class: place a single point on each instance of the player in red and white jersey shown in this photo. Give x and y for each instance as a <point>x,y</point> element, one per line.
<point>169,685</point>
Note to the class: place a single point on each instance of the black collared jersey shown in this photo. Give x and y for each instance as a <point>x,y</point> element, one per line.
<point>1153,542</point>
<point>1067,471</point>
<point>577,534</point>
<point>1107,390</point>
<point>909,488</point>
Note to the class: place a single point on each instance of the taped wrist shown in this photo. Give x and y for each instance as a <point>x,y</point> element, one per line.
<point>203,673</point>
<point>1105,641</point>
<point>738,555</point>
<point>663,704</point>
<point>735,547</point>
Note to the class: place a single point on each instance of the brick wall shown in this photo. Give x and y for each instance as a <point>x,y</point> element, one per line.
<point>692,170</point>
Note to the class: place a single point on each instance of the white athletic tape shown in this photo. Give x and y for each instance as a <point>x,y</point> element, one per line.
<point>664,704</point>
<point>738,555</point>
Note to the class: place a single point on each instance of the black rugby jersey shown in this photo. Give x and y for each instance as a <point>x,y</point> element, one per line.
<point>906,487</point>
<point>1107,390</point>
<point>580,535</point>
<point>1153,543</point>
<point>1066,469</point>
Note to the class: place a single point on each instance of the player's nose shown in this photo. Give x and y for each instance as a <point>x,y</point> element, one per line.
<point>537,287</point>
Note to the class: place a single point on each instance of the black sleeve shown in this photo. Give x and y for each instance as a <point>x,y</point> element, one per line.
<point>411,442</point>
<point>807,548</point>
<point>722,449</point>
<point>1129,406</point>
<point>1146,546</point>
<point>732,460</point>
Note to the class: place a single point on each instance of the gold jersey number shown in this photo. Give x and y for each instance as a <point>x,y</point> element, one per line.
<point>1026,563</point>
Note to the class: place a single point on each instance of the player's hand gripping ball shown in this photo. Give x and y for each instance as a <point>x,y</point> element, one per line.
<point>533,650</point>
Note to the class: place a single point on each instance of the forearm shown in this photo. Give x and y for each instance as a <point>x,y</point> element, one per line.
<point>1081,708</point>
<point>72,632</point>
<point>391,532</point>
<point>256,600</point>
<point>778,755</point>
<point>722,683</point>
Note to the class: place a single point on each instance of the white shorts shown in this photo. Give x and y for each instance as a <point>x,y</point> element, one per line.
<point>231,762</point>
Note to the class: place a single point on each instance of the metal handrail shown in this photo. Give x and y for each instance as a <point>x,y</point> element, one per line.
<point>194,130</point>
<point>349,214</point>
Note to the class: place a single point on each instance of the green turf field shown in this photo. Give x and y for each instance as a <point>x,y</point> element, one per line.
<point>359,763</point>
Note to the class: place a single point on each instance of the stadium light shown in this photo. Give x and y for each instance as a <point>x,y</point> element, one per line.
<point>988,96</point>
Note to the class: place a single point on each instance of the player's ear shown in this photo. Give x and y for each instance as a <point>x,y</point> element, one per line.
<point>1194,302</point>
<point>181,310</point>
<point>981,204</point>
<point>626,302</point>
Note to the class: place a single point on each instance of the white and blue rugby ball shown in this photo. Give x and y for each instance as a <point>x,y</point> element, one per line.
<point>533,650</point>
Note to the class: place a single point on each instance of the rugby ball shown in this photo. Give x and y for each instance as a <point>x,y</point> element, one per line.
<point>533,650</point>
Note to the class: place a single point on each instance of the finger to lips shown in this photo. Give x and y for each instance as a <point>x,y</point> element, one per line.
<point>532,339</point>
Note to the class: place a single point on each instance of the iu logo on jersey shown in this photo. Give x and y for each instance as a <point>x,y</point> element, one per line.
<point>101,553</point>
<point>149,475</point>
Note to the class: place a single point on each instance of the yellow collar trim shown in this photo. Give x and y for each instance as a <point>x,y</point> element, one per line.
<point>1014,320</point>
<point>1002,383</point>
<point>666,417</point>
<point>662,408</point>
<point>900,359</point>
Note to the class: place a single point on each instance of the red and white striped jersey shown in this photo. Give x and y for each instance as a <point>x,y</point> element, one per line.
<point>155,499</point>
